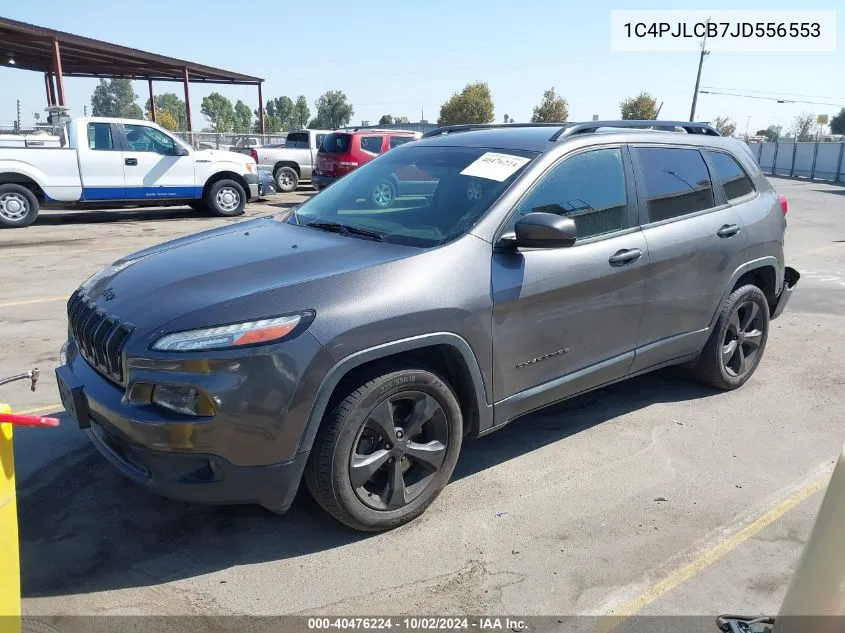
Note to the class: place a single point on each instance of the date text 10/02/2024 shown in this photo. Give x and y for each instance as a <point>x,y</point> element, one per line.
<point>723,29</point>
<point>419,624</point>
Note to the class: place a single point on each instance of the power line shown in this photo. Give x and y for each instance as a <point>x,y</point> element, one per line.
<point>729,94</point>
<point>770,92</point>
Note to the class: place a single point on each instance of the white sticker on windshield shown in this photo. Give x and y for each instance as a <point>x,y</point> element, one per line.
<point>495,166</point>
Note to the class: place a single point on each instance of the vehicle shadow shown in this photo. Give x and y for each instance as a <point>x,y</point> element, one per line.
<point>836,192</point>
<point>84,528</point>
<point>102,216</point>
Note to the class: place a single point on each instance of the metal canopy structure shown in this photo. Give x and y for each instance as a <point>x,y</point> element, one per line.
<point>58,54</point>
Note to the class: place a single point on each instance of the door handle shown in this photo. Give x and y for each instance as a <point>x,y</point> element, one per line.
<point>729,230</point>
<point>132,162</point>
<point>625,256</point>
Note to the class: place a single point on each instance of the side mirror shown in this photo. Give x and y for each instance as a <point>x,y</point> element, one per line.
<point>180,151</point>
<point>543,230</point>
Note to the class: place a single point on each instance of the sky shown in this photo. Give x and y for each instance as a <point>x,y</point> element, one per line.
<point>407,58</point>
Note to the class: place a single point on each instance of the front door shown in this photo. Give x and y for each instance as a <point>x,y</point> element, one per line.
<point>567,319</point>
<point>153,170</point>
<point>696,242</point>
<point>101,163</point>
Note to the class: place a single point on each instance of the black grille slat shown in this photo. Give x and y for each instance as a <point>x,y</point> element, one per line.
<point>100,337</point>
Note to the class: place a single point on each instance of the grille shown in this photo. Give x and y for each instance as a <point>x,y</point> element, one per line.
<point>99,336</point>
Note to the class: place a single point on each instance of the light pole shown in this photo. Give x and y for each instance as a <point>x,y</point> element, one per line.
<point>747,121</point>
<point>704,53</point>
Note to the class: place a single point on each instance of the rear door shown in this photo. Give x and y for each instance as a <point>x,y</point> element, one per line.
<point>371,146</point>
<point>696,242</point>
<point>153,168</point>
<point>567,319</point>
<point>101,162</point>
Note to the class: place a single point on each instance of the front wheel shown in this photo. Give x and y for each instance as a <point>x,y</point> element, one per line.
<point>736,345</point>
<point>18,206</point>
<point>387,450</point>
<point>226,198</point>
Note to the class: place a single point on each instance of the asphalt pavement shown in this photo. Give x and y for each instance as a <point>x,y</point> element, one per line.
<point>654,496</point>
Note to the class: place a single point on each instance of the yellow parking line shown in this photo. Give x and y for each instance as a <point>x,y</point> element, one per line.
<point>33,253</point>
<point>710,556</point>
<point>49,408</point>
<point>26,302</point>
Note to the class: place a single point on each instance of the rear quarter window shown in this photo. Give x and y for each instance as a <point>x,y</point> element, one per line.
<point>730,173</point>
<point>336,143</point>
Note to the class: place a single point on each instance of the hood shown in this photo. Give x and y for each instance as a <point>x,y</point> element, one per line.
<point>221,155</point>
<point>233,273</point>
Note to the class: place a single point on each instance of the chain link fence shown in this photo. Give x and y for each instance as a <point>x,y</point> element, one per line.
<point>229,141</point>
<point>816,161</point>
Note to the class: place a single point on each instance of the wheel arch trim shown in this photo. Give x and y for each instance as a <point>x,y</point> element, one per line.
<point>342,368</point>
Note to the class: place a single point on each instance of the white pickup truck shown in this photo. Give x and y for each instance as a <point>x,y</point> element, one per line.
<point>120,162</point>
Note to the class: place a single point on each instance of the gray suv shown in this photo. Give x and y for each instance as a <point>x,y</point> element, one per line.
<point>358,347</point>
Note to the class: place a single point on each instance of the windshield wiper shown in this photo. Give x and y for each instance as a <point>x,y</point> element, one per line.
<point>346,229</point>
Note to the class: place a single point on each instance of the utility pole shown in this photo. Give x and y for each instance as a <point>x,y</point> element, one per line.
<point>704,53</point>
<point>84,110</point>
<point>747,121</point>
<point>18,120</point>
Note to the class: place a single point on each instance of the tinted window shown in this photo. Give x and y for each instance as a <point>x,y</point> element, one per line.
<point>297,140</point>
<point>396,141</point>
<point>99,136</point>
<point>336,143</point>
<point>148,139</point>
<point>372,144</point>
<point>734,180</point>
<point>440,193</point>
<point>319,140</point>
<point>589,188</point>
<point>676,181</point>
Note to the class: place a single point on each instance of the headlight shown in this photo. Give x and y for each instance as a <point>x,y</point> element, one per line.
<point>243,334</point>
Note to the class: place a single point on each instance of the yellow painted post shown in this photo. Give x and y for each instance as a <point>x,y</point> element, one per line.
<point>10,569</point>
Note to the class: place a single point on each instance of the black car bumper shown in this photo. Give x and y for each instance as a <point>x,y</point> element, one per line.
<point>200,478</point>
<point>321,182</point>
<point>790,280</point>
<point>245,451</point>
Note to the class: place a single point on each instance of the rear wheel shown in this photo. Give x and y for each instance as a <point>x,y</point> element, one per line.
<point>226,198</point>
<point>736,345</point>
<point>387,450</point>
<point>287,180</point>
<point>18,206</point>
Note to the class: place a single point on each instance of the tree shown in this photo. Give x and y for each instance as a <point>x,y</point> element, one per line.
<point>218,110</point>
<point>167,121</point>
<point>333,111</point>
<point>724,125</point>
<point>772,133</point>
<point>301,113</point>
<point>473,104</point>
<point>837,123</point>
<point>507,119</point>
<point>802,124</point>
<point>115,98</point>
<point>242,118</point>
<point>643,106</point>
<point>385,119</point>
<point>552,109</point>
<point>279,113</point>
<point>172,105</point>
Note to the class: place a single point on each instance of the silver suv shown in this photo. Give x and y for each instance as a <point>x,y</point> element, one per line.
<point>358,346</point>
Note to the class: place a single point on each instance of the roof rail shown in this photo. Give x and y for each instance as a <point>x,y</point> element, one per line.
<point>467,127</point>
<point>582,128</point>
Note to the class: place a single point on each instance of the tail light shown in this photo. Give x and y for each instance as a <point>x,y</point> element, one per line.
<point>254,155</point>
<point>783,206</point>
<point>345,164</point>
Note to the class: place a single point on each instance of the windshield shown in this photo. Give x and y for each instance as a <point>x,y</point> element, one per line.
<point>419,196</point>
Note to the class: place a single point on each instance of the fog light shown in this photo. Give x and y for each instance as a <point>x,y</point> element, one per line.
<point>184,400</point>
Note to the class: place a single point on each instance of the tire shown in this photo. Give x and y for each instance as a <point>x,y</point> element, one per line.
<point>225,198</point>
<point>287,180</point>
<point>18,206</point>
<point>353,428</point>
<point>383,194</point>
<point>736,345</point>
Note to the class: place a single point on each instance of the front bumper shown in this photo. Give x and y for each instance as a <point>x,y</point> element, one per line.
<point>245,451</point>
<point>790,280</point>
